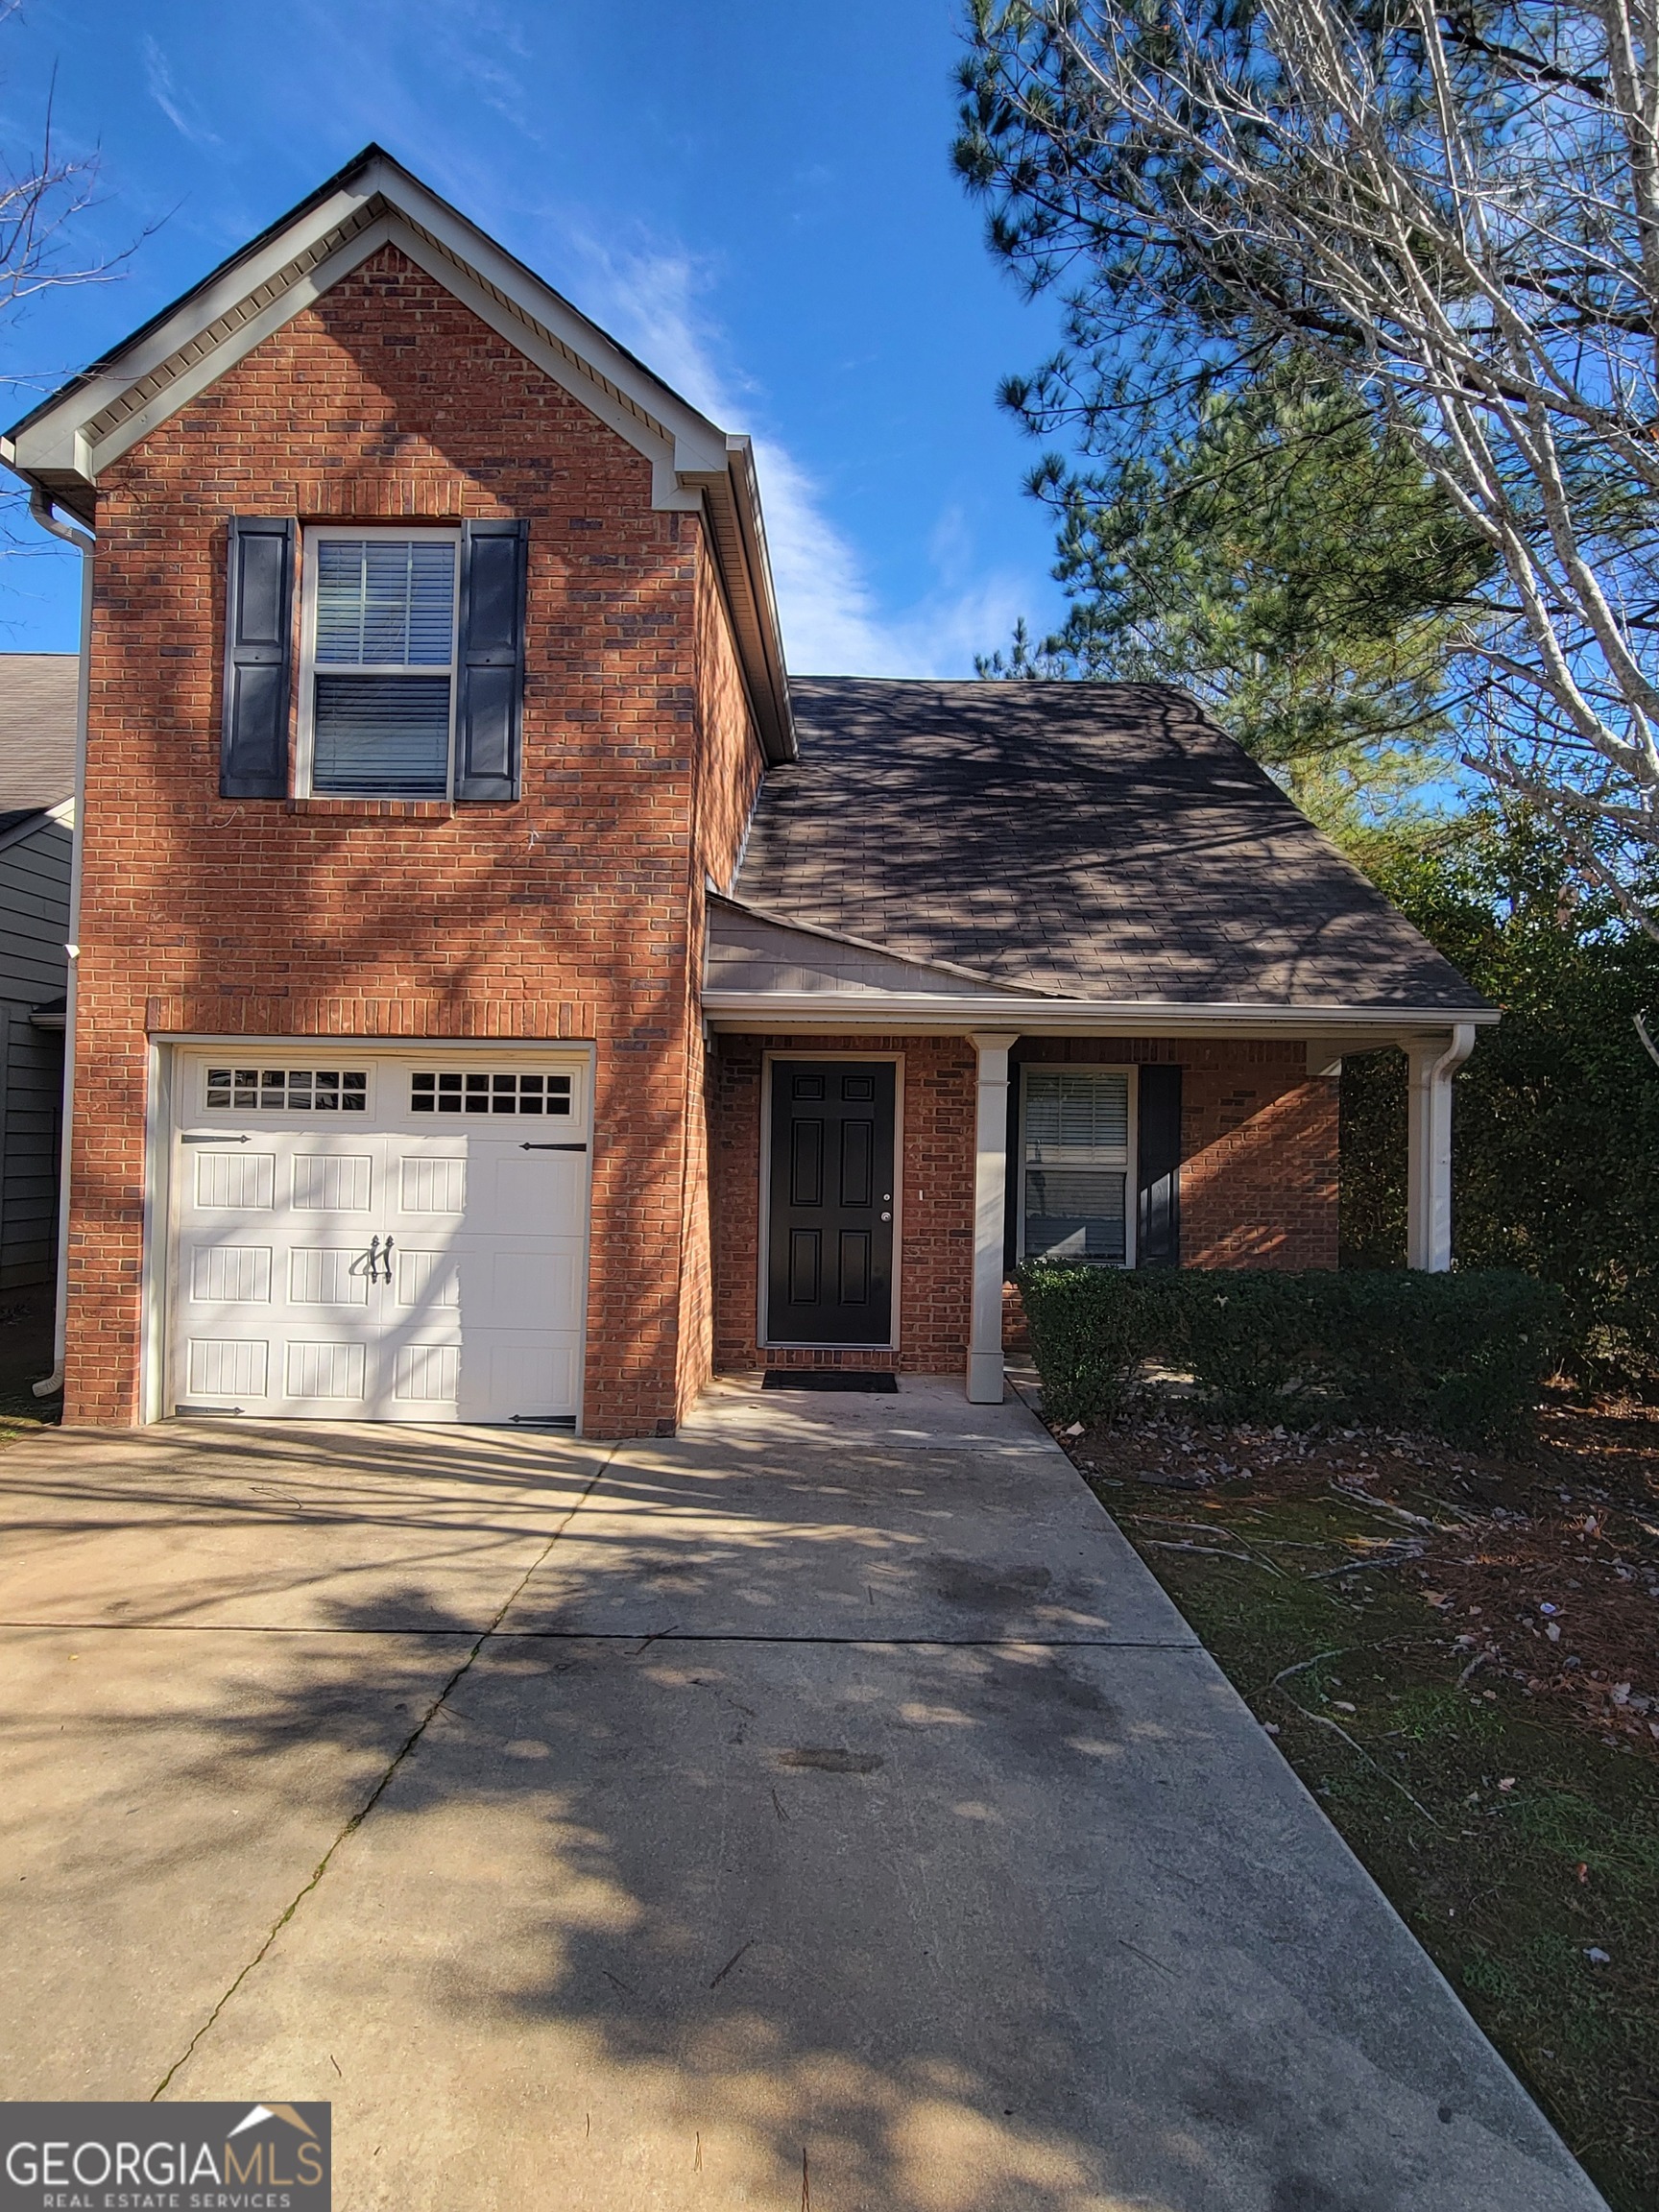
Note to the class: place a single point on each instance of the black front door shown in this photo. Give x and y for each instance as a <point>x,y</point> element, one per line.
<point>829,1260</point>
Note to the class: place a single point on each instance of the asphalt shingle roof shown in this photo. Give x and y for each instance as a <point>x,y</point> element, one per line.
<point>37,718</point>
<point>1103,840</point>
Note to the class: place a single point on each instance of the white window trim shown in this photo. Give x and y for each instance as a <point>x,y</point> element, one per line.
<point>1131,1193</point>
<point>304,749</point>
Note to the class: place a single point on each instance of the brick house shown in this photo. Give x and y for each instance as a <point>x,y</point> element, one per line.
<point>502,994</point>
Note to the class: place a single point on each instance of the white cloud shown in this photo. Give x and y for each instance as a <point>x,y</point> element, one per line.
<point>159,77</point>
<point>833,622</point>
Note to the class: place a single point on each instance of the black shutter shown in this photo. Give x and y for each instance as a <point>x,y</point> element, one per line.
<point>1158,1170</point>
<point>490,712</point>
<point>258,653</point>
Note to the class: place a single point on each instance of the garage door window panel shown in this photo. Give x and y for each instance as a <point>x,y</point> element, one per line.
<point>286,1091</point>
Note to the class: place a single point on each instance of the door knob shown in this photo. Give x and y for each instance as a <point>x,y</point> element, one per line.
<point>886,1216</point>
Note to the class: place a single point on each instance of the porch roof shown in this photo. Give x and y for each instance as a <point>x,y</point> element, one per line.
<point>1092,843</point>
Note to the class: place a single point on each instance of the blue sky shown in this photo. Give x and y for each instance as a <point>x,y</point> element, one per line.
<point>755,196</point>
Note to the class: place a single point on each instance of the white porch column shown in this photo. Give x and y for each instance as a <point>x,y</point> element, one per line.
<point>1432,1064</point>
<point>990,1187</point>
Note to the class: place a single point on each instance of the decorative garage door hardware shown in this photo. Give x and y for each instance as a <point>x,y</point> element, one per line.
<point>488,1091</point>
<point>289,1090</point>
<point>463,1306</point>
<point>529,1147</point>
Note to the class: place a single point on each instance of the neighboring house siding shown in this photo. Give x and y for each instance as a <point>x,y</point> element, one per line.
<point>571,913</point>
<point>34,924</point>
<point>935,1259</point>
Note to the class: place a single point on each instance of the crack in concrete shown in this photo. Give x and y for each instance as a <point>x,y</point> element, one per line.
<point>384,1783</point>
<point>639,1636</point>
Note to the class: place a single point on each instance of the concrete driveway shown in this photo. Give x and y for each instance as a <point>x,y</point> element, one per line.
<point>822,1810</point>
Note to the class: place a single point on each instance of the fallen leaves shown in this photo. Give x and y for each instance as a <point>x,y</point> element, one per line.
<point>1558,1550</point>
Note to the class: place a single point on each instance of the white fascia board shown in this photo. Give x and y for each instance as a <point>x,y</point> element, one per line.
<point>696,468</point>
<point>55,442</point>
<point>389,229</point>
<point>698,443</point>
<point>749,1011</point>
<point>581,358</point>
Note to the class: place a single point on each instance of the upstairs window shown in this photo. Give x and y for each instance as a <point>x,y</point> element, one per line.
<point>411,661</point>
<point>377,705</point>
<point>1074,1166</point>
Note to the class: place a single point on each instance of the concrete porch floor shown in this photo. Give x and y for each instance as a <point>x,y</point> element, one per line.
<point>822,1807</point>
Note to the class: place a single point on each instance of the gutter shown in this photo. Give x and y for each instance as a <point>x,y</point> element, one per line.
<point>825,1010</point>
<point>40,507</point>
<point>731,505</point>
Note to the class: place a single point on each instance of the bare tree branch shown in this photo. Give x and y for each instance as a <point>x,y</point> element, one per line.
<point>1456,208</point>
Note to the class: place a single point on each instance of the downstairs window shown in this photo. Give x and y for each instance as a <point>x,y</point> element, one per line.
<point>1074,1128</point>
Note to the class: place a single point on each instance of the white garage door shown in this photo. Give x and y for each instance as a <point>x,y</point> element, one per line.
<point>378,1237</point>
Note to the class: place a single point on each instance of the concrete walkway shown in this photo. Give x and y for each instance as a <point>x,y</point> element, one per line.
<point>822,1809</point>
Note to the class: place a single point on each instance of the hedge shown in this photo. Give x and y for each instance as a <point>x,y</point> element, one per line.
<point>1460,1355</point>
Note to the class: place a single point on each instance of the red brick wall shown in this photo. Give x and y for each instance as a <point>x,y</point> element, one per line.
<point>728,779</point>
<point>1259,1176</point>
<point>575,912</point>
<point>1259,1183</point>
<point>936,1221</point>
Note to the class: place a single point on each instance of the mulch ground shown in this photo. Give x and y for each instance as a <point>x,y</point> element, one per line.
<point>1547,1564</point>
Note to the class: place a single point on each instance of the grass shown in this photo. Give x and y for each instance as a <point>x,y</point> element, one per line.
<point>22,1413</point>
<point>1385,1622</point>
<point>25,1355</point>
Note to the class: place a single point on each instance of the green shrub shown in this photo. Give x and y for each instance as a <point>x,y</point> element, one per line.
<point>1090,1335</point>
<point>1556,1119</point>
<point>1463,1356</point>
<point>1255,1344</point>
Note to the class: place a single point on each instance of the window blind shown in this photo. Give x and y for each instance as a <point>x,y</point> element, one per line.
<point>384,657</point>
<point>385,603</point>
<point>1075,1166</point>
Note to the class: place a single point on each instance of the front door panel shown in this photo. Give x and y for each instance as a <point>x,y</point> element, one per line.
<point>830,1272</point>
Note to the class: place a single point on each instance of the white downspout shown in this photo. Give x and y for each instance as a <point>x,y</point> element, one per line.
<point>985,1384</point>
<point>40,507</point>
<point>1428,1147</point>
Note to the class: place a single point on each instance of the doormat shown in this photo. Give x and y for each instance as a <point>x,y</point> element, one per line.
<point>826,1378</point>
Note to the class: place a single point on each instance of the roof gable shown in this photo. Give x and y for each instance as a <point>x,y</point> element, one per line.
<point>60,445</point>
